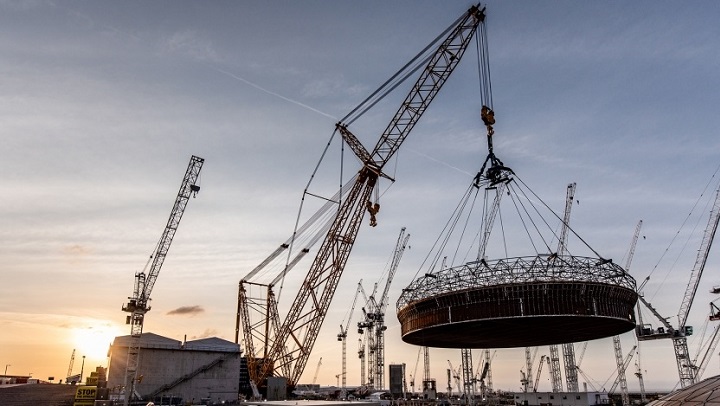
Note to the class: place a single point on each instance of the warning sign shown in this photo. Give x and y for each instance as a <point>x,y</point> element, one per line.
<point>86,393</point>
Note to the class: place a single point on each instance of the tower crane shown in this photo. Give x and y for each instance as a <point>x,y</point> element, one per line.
<point>361,355</point>
<point>687,370</point>
<point>375,315</point>
<point>426,367</point>
<point>70,367</point>
<point>456,376</point>
<point>342,336</point>
<point>617,346</point>
<point>139,302</point>
<point>468,376</point>
<point>537,376</point>
<point>529,361</point>
<point>414,374</point>
<point>568,349</point>
<point>317,369</point>
<point>554,365</point>
<point>306,314</point>
<point>620,377</point>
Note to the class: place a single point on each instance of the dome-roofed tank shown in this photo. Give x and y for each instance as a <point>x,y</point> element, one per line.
<point>541,299</point>
<point>517,302</point>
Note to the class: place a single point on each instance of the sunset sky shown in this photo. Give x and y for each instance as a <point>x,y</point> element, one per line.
<point>103,103</point>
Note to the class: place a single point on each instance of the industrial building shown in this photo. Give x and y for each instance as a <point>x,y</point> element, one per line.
<point>198,370</point>
<point>563,398</point>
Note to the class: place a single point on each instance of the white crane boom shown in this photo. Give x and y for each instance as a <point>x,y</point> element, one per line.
<point>139,302</point>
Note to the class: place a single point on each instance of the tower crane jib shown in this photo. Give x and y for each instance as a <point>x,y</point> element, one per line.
<point>139,303</point>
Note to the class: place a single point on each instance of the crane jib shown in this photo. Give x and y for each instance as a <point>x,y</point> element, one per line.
<point>138,304</point>
<point>308,310</point>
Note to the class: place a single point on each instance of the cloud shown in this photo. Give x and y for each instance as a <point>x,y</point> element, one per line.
<point>186,310</point>
<point>191,44</point>
<point>209,332</point>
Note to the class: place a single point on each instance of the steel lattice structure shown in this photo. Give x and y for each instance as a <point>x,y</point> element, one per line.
<point>521,301</point>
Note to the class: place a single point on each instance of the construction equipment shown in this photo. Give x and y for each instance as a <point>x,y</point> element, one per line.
<point>296,336</point>
<point>537,375</point>
<point>139,302</point>
<point>529,361</point>
<point>617,346</point>
<point>568,349</point>
<point>426,365</point>
<point>467,373</point>
<point>687,370</point>
<point>70,367</point>
<point>374,322</point>
<point>457,377</point>
<point>621,376</point>
<point>317,369</point>
<point>361,355</point>
<point>554,365</point>
<point>639,375</point>
<point>342,336</point>
<point>414,374</point>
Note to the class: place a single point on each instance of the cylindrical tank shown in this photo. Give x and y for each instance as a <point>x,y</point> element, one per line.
<point>518,302</point>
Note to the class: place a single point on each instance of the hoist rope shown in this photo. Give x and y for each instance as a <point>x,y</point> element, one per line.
<point>672,241</point>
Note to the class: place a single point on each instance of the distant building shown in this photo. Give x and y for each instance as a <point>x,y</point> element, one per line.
<point>397,374</point>
<point>561,398</point>
<point>198,370</point>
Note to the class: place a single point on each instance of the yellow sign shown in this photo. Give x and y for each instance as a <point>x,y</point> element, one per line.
<point>86,393</point>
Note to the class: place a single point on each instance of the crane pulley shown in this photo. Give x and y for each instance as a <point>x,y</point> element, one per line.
<point>139,303</point>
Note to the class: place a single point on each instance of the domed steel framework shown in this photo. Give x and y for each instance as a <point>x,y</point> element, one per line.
<point>516,302</point>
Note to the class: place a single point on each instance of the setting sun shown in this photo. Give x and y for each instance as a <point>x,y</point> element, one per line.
<point>93,342</point>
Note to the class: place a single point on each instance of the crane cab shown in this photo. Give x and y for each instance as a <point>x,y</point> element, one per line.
<point>647,332</point>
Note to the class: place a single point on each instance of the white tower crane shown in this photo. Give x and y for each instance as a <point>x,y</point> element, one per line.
<point>687,370</point>
<point>317,370</point>
<point>617,346</point>
<point>342,336</point>
<point>571,375</point>
<point>374,323</point>
<point>139,302</point>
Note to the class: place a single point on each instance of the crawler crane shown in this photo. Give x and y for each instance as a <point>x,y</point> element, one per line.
<point>295,337</point>
<point>139,302</point>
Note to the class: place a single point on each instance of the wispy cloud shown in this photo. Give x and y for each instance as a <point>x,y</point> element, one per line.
<point>210,332</point>
<point>186,310</point>
<point>192,44</point>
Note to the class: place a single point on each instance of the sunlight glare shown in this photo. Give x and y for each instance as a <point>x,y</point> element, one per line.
<point>94,342</point>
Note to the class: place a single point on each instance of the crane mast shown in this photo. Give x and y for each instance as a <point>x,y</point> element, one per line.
<point>467,373</point>
<point>343,336</point>
<point>70,367</point>
<point>568,349</point>
<point>617,345</point>
<point>139,302</point>
<point>308,310</point>
<point>375,316</point>
<point>539,371</point>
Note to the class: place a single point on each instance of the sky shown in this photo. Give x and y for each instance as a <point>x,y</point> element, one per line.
<point>103,103</point>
